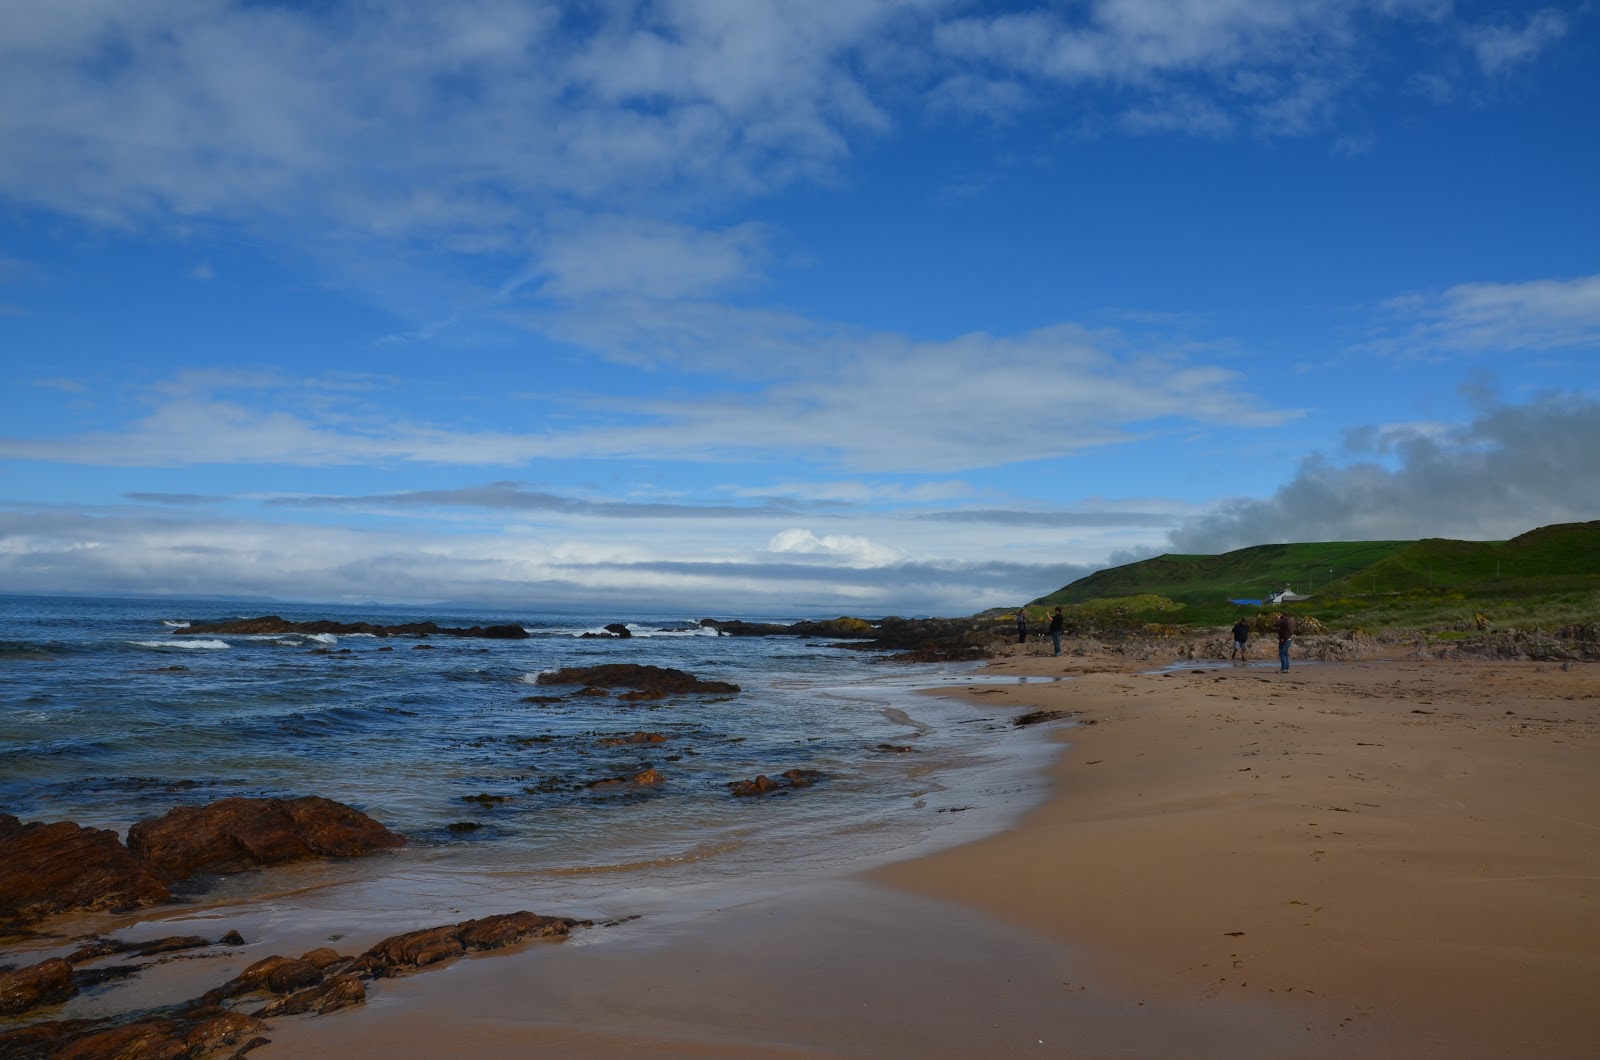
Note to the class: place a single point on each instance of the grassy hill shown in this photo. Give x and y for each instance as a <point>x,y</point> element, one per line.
<point>1354,581</point>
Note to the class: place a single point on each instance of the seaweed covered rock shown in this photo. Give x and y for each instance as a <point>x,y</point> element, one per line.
<point>235,834</point>
<point>49,868</point>
<point>640,678</point>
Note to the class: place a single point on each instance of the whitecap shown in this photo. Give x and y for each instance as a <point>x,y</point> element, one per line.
<point>213,644</point>
<point>322,638</point>
<point>174,624</point>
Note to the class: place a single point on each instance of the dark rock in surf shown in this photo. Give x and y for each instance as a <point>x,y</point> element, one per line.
<point>50,868</point>
<point>615,630</point>
<point>235,834</point>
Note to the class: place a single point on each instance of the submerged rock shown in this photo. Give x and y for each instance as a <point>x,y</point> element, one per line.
<point>50,868</point>
<point>234,834</point>
<point>631,675</point>
<point>765,785</point>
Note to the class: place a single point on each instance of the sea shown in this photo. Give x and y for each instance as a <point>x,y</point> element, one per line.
<point>110,714</point>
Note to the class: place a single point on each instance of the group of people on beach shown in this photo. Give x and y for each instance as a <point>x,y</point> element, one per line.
<point>1283,625</point>
<point>1058,623</point>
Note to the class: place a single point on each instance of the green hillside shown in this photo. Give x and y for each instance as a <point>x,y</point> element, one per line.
<point>1354,580</point>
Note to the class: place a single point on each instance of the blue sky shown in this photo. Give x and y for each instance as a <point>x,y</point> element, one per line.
<point>913,306</point>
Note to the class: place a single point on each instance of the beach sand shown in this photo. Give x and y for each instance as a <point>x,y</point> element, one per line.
<point>1385,858</point>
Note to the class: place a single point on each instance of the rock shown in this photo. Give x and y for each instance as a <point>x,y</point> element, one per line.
<point>93,951</point>
<point>643,779</point>
<point>788,781</point>
<point>632,675</point>
<point>170,944</point>
<point>417,949</point>
<point>235,834</point>
<point>159,1038</point>
<point>614,630</point>
<point>46,983</point>
<point>49,868</point>
<point>636,738</point>
<point>341,991</point>
<point>275,974</point>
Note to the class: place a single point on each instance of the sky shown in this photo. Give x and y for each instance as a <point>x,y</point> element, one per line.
<point>782,307</point>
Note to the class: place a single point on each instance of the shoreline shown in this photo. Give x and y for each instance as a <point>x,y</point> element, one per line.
<point>1389,896</point>
<point>1435,923</point>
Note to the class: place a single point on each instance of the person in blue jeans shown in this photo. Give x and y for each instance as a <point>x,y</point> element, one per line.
<point>1057,622</point>
<point>1285,628</point>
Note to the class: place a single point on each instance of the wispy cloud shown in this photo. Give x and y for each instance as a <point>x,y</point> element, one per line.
<point>1500,46</point>
<point>1550,314</point>
<point>864,401</point>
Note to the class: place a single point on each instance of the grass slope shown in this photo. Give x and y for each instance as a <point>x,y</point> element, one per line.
<point>1554,570</point>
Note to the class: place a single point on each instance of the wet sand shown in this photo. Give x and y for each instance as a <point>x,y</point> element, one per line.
<point>1386,858</point>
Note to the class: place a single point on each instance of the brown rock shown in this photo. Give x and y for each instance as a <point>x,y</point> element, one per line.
<point>341,991</point>
<point>46,983</point>
<point>235,834</point>
<point>765,785</point>
<point>48,868</point>
<point>643,779</point>
<point>275,974</point>
<point>161,1038</point>
<point>417,949</point>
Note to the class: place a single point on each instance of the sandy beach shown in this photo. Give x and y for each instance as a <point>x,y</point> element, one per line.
<point>1393,857</point>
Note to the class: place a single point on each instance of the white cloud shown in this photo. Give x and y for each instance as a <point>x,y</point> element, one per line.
<point>1551,314</point>
<point>854,551</point>
<point>1501,47</point>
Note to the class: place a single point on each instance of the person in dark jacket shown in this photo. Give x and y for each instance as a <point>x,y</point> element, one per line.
<point>1241,638</point>
<point>1285,628</point>
<point>1057,624</point>
<point>1022,626</point>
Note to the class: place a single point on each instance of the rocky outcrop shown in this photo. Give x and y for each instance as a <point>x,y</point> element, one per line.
<point>613,630</point>
<point>639,678</point>
<point>765,785</point>
<point>194,1032</point>
<point>646,778</point>
<point>321,981</point>
<point>50,868</point>
<point>235,834</point>
<point>268,625</point>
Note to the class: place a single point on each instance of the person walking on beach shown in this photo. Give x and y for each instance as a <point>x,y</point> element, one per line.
<point>1022,626</point>
<point>1285,628</point>
<point>1057,623</point>
<point>1241,638</point>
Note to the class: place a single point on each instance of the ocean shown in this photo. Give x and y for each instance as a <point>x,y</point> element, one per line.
<point>109,715</point>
